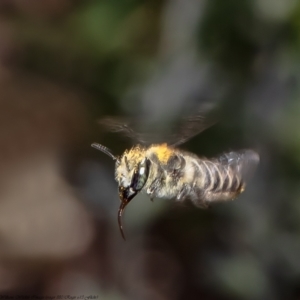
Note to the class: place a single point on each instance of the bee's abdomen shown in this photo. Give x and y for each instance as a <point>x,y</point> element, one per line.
<point>223,178</point>
<point>217,177</point>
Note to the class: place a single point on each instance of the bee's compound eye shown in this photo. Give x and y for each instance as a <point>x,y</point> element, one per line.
<point>141,174</point>
<point>142,170</point>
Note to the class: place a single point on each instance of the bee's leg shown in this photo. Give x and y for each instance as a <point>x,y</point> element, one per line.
<point>151,191</point>
<point>183,193</point>
<point>203,204</point>
<point>199,202</point>
<point>199,199</point>
<point>151,195</point>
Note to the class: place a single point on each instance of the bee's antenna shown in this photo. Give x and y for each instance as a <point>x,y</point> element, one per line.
<point>104,150</point>
<point>120,212</point>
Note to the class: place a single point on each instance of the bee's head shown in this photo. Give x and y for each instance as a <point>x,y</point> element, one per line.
<point>131,167</point>
<point>131,177</point>
<point>132,174</point>
<point>132,171</point>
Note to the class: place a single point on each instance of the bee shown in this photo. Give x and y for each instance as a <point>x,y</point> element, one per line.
<point>165,171</point>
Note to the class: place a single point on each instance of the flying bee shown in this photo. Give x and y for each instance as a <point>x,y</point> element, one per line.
<point>165,171</point>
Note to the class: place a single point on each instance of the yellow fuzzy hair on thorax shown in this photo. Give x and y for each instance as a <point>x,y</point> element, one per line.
<point>163,152</point>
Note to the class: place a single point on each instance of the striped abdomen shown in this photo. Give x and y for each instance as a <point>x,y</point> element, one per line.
<point>223,178</point>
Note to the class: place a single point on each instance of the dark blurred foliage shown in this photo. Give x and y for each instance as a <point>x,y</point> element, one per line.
<point>64,64</point>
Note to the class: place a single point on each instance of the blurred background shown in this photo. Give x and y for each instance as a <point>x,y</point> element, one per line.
<point>64,64</point>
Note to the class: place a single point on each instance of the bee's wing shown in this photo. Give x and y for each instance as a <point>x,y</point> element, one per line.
<point>243,162</point>
<point>120,125</point>
<point>188,128</point>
